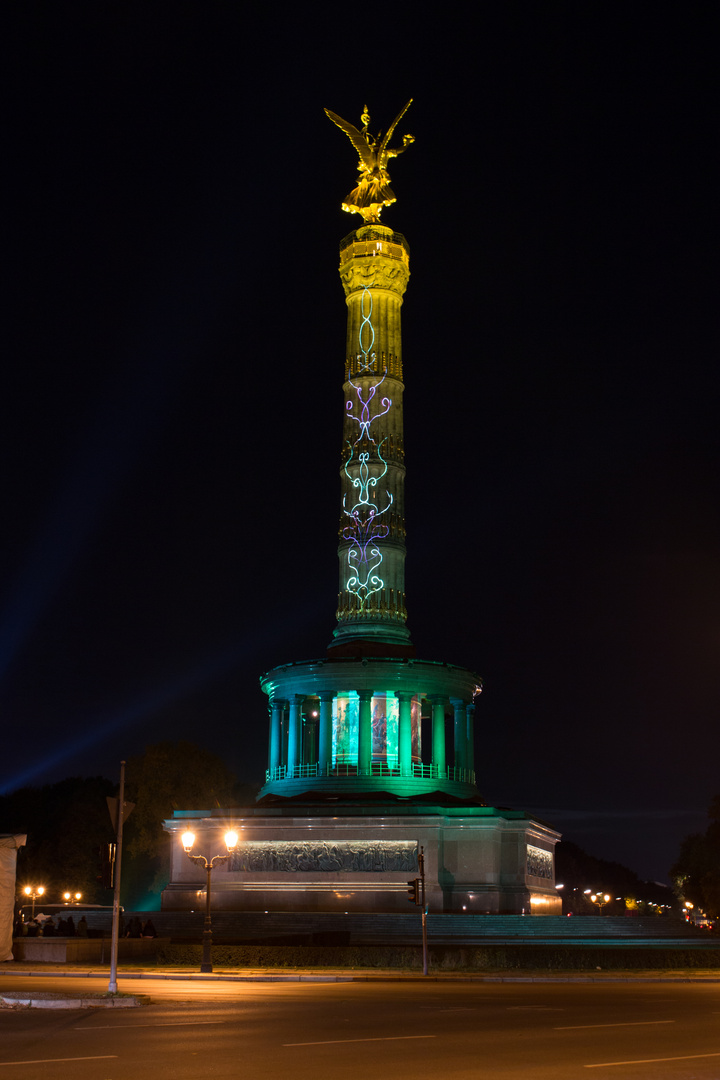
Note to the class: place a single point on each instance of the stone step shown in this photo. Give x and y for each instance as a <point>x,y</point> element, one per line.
<point>449,928</point>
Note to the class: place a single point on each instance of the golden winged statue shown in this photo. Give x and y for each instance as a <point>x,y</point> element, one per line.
<point>373,191</point>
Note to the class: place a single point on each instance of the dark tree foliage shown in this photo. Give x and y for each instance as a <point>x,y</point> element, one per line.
<point>66,823</point>
<point>577,871</point>
<point>696,872</point>
<point>168,776</point>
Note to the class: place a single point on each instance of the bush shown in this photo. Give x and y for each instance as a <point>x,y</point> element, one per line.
<point>442,958</point>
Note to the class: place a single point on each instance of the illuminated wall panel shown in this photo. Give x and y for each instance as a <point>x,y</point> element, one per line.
<point>385,729</point>
<point>345,729</point>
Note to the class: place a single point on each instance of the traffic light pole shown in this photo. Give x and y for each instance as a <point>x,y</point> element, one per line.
<point>112,985</point>
<point>421,863</point>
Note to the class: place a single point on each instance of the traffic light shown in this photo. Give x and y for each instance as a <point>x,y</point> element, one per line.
<point>413,891</point>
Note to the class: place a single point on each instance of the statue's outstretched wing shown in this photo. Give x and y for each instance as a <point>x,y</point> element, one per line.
<point>390,130</point>
<point>356,138</point>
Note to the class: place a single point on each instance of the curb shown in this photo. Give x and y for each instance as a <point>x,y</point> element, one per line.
<point>61,1001</point>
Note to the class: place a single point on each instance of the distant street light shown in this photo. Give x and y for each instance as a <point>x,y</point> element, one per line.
<point>34,891</point>
<point>231,841</point>
<point>73,898</point>
<point>600,899</point>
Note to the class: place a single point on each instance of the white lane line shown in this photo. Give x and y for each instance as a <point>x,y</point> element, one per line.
<point>534,1008</point>
<point>649,1061</point>
<point>50,1061</point>
<point>622,1023</point>
<point>182,1023</point>
<point>334,1042</point>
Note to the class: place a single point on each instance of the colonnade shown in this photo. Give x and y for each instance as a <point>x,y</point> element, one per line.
<point>296,750</point>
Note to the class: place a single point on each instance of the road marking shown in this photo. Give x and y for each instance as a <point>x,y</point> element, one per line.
<point>534,1008</point>
<point>622,1023</point>
<point>333,1042</point>
<point>649,1061</point>
<point>50,1061</point>
<point>183,1023</point>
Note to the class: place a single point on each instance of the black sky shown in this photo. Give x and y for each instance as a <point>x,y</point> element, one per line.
<point>171,413</point>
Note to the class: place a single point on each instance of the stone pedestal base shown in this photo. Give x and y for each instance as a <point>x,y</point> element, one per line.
<point>361,858</point>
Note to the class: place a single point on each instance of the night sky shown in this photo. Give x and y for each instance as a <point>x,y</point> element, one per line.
<point>172,403</point>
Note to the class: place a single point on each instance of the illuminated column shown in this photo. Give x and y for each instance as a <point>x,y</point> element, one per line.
<point>405,733</point>
<point>364,732</point>
<point>294,753</point>
<point>310,738</point>
<point>470,755</point>
<point>325,738</point>
<point>460,733</point>
<point>438,734</point>
<point>277,705</point>
<point>374,269</point>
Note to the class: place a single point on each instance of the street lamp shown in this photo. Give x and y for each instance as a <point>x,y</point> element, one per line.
<point>600,899</point>
<point>187,840</point>
<point>34,891</point>
<point>74,898</point>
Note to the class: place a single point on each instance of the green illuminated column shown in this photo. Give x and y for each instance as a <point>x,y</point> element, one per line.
<point>277,706</point>
<point>294,753</point>
<point>404,733</point>
<point>438,734</point>
<point>364,732</point>
<point>374,269</point>
<point>325,738</point>
<point>460,732</point>
<point>470,738</point>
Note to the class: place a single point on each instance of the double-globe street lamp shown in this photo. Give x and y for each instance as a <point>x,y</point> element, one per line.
<point>33,891</point>
<point>600,900</point>
<point>187,840</point>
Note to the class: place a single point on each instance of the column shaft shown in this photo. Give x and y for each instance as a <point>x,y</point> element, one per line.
<point>277,706</point>
<point>365,733</point>
<point>295,732</point>
<point>325,739</point>
<point>470,756</point>
<point>460,733</point>
<point>438,735</point>
<point>405,733</point>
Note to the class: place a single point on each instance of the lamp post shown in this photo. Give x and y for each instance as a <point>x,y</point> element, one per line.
<point>187,840</point>
<point>34,891</point>
<point>74,898</point>
<point>600,900</point>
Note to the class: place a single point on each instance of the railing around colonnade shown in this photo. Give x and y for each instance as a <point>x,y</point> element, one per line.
<point>377,768</point>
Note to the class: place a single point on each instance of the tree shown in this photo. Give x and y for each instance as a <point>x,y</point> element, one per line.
<point>696,872</point>
<point>168,776</point>
<point>66,823</point>
<point>578,870</point>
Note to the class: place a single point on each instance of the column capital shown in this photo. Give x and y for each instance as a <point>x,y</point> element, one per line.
<point>365,695</point>
<point>404,695</point>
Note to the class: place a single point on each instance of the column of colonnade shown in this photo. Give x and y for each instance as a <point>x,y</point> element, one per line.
<point>285,749</point>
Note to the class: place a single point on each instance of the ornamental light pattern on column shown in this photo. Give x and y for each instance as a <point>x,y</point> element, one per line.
<point>365,468</point>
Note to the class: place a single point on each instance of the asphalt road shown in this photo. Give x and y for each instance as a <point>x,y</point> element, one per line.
<point>370,1031</point>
